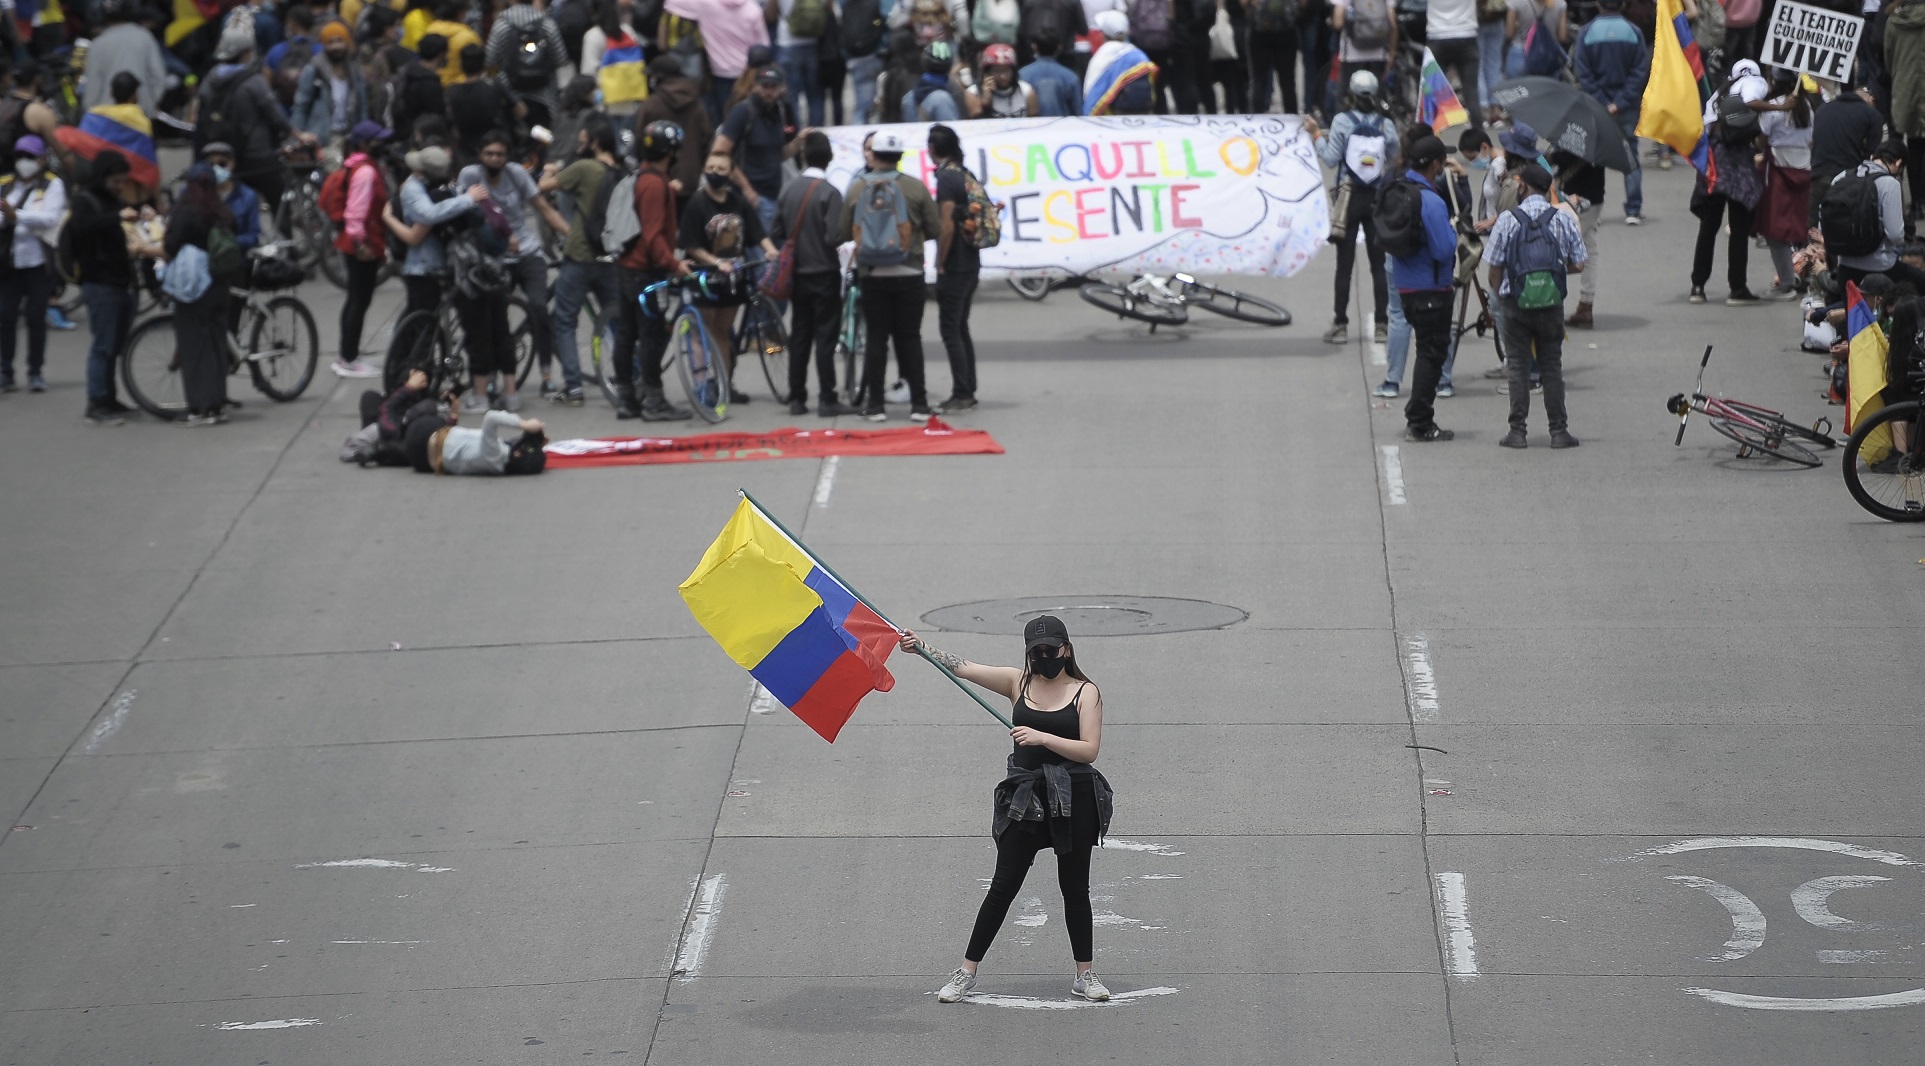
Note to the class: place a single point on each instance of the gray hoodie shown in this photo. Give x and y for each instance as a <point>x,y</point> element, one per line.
<point>484,450</point>
<point>1891,218</point>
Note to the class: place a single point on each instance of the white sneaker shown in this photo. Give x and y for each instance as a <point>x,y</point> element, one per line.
<point>473,405</point>
<point>960,984</point>
<point>897,393</point>
<point>356,369</point>
<point>1634,220</point>
<point>1386,391</point>
<point>1089,987</point>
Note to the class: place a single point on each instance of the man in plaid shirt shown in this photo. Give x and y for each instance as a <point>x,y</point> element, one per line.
<point>1531,250</point>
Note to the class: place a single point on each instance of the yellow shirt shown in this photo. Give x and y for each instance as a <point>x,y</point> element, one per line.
<point>413,25</point>
<point>351,10</point>
<point>459,36</point>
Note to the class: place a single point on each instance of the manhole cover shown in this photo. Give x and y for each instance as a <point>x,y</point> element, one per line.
<point>1094,616</point>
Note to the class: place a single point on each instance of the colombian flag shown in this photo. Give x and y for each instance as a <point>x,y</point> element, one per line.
<point>121,127</point>
<point>1672,111</point>
<point>1865,374</point>
<point>804,635</point>
<point>621,75</point>
<point>1437,103</point>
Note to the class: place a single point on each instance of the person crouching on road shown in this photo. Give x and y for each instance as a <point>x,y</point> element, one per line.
<point>1532,249</point>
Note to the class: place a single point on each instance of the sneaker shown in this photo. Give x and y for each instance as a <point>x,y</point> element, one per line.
<point>548,387</point>
<point>1634,220</point>
<point>798,406</point>
<point>1498,373</point>
<point>511,402</point>
<point>1337,334</point>
<point>567,398</point>
<point>656,407</point>
<point>1697,294</point>
<point>1381,332</point>
<point>836,409</point>
<point>1428,434</point>
<point>1514,439</point>
<point>1386,391</point>
<point>472,404</point>
<point>113,404</point>
<point>1780,293</point>
<point>193,421</point>
<point>1445,392</point>
<point>56,319</point>
<point>957,403</point>
<point>1536,385</point>
<point>1664,161</point>
<point>874,413</point>
<point>920,414</point>
<point>960,984</point>
<point>1741,298</point>
<point>36,383</point>
<point>897,393</point>
<point>1089,986</point>
<point>1562,439</point>
<point>737,396</point>
<point>101,416</point>
<point>218,418</point>
<point>355,369</point>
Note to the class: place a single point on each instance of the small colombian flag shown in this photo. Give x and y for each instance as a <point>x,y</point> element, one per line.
<point>803,634</point>
<point>1437,105</point>
<point>1865,373</point>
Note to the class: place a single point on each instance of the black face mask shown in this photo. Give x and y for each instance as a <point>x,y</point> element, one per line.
<point>1050,668</point>
<point>715,181</point>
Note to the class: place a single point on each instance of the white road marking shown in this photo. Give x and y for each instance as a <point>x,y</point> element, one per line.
<point>375,864</point>
<point>1460,944</point>
<point>761,701</point>
<point>1747,921</point>
<point>1159,877</point>
<point>378,941</point>
<point>1393,474</point>
<point>1034,917</point>
<point>111,724</point>
<point>1849,957</point>
<point>1809,900</point>
<point>278,1023</point>
<point>1421,688</point>
<point>1739,999</point>
<point>238,906</point>
<point>991,999</point>
<point>1137,845</point>
<point>825,482</point>
<point>1836,847</point>
<point>703,914</point>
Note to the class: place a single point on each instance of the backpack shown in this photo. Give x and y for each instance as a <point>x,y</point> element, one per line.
<point>1543,56</point>
<point>572,21</point>
<point>286,76</point>
<point>528,67</point>
<point>621,225</point>
<point>1150,25</point>
<point>225,260</point>
<point>882,231</point>
<point>1368,24</point>
<point>978,217</point>
<point>220,120</point>
<point>1273,16</point>
<point>862,27</point>
<point>1533,264</point>
<point>1848,216</point>
<point>491,228</point>
<point>1400,219</point>
<point>595,214</point>
<point>1710,30</point>
<point>1365,152</point>
<point>808,18</point>
<point>1737,122</point>
<point>333,198</point>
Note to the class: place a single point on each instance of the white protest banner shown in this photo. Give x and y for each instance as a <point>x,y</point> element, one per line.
<point>1812,40</point>
<point>1205,194</point>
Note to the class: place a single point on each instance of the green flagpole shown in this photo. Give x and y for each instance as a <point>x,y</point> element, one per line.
<point>924,652</point>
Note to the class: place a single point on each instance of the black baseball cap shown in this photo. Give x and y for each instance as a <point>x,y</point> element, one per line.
<point>1044,631</point>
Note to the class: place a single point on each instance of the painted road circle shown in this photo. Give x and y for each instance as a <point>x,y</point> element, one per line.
<point>1092,616</point>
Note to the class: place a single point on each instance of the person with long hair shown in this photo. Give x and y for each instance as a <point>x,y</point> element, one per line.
<point>199,324</point>
<point>1781,218</point>
<point>1052,796</point>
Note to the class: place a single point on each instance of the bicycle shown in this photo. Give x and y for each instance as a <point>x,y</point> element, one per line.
<point>1035,287</point>
<point>280,354</point>
<point>299,220</point>
<point>434,342</point>
<point>1163,300</point>
<point>852,339</point>
<point>1756,430</point>
<point>705,376</point>
<point>760,329</point>
<point>1884,476</point>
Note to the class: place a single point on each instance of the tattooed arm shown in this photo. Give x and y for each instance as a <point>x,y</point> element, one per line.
<point>1002,680</point>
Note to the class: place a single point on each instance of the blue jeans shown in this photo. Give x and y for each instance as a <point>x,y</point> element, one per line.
<point>798,63</point>
<point>765,213</point>
<point>1397,346</point>
<point>863,72</point>
<point>1490,58</point>
<point>1634,181</point>
<point>110,314</point>
<point>573,283</point>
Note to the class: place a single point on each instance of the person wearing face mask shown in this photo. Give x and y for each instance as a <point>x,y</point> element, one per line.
<point>513,190</point>
<point>582,269</point>
<point>764,128</point>
<point>331,95</point>
<point>1052,796</point>
<point>244,202</point>
<point>719,229</point>
<point>31,204</point>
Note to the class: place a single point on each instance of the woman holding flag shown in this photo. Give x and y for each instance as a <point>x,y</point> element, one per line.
<point>1051,797</point>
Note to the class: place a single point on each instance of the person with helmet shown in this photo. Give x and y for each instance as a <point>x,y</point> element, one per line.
<point>932,100</point>
<point>649,260</point>
<point>1361,146</point>
<point>1000,93</point>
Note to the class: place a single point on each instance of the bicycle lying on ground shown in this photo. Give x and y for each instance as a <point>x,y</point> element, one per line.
<point>1035,287</point>
<point>1756,430</point>
<point>280,352</point>
<point>1164,300</point>
<point>1884,460</point>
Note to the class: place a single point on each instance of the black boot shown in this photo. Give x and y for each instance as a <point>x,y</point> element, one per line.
<point>656,408</point>
<point>625,405</point>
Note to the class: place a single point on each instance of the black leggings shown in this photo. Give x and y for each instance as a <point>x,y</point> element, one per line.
<point>1015,851</point>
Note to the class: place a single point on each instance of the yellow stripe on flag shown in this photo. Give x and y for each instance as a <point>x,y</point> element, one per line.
<point>1865,377</point>
<point>1672,112</point>
<point>748,590</point>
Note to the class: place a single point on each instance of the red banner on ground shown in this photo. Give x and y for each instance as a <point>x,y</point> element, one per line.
<point>935,438</point>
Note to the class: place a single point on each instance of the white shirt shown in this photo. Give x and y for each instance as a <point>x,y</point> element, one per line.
<point>1451,20</point>
<point>1790,146</point>
<point>39,216</point>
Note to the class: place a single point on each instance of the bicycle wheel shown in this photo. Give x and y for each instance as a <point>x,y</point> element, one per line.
<point>284,349</point>
<point>594,371</point>
<point>150,367</point>
<point>852,341</point>
<point>1778,423</point>
<point>602,354</point>
<point>1886,483</point>
<point>1127,304</point>
<point>704,377</point>
<point>762,332</point>
<point>334,262</point>
<point>1233,304</point>
<point>1752,439</point>
<point>418,344</point>
<point>1034,288</point>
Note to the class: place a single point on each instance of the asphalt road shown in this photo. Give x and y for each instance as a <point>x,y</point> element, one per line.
<point>314,765</point>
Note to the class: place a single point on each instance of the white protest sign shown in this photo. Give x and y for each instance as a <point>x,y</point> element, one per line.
<point>1239,194</point>
<point>1812,40</point>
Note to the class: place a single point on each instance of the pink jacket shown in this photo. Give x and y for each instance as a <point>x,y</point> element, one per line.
<point>367,192</point>
<point>729,28</point>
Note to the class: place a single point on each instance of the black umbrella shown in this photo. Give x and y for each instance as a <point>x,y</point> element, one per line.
<point>1569,118</point>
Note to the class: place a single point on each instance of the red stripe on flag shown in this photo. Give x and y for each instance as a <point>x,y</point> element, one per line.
<point>875,639</point>
<point>827,705</point>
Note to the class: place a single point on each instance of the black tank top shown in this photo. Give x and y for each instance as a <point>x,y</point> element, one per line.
<point>1065,723</point>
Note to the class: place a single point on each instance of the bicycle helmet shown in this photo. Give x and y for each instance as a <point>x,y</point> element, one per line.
<point>660,140</point>
<point>999,55</point>
<point>938,57</point>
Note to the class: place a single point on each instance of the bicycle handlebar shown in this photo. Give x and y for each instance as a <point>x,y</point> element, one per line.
<point>1706,361</point>
<point>694,279</point>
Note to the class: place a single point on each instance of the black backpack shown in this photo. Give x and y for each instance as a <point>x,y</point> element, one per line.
<point>1737,122</point>
<point>528,66</point>
<point>221,120</point>
<point>862,27</point>
<point>1848,216</point>
<point>572,22</point>
<point>1400,218</point>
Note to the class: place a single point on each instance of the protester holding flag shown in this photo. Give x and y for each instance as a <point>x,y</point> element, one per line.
<point>1450,36</point>
<point>1051,797</point>
<point>1437,105</point>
